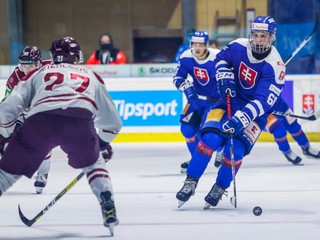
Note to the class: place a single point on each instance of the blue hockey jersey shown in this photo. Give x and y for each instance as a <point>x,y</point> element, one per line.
<point>259,82</point>
<point>201,71</point>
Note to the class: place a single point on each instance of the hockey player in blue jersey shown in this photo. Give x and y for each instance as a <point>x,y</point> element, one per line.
<point>201,92</point>
<point>278,125</point>
<point>252,71</point>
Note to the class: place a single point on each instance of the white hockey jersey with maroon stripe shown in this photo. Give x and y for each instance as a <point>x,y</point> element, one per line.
<point>62,86</point>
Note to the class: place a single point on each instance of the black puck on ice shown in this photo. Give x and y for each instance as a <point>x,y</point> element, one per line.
<point>257,211</point>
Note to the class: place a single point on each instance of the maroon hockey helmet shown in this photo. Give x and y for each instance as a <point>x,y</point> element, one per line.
<point>30,55</point>
<point>66,50</point>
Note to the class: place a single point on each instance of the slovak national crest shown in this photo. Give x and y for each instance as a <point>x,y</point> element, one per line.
<point>247,76</point>
<point>201,75</point>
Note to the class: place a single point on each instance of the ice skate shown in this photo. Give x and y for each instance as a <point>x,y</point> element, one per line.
<point>214,196</point>
<point>109,215</point>
<point>187,190</point>
<point>310,152</point>
<point>41,182</point>
<point>219,159</point>
<point>293,158</point>
<point>184,167</point>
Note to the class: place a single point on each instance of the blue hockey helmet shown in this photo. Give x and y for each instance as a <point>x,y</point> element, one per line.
<point>200,37</point>
<point>263,24</point>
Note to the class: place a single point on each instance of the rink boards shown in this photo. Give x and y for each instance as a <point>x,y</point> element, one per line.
<point>150,106</point>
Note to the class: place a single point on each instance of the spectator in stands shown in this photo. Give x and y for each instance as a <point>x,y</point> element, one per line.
<point>107,53</point>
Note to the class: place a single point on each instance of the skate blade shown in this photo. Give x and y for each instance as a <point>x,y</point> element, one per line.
<point>111,229</point>
<point>206,206</point>
<point>111,226</point>
<point>180,203</point>
<point>298,164</point>
<point>39,190</point>
<point>183,170</point>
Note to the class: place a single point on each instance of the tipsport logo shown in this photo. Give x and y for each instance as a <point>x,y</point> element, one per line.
<point>146,110</point>
<point>149,108</point>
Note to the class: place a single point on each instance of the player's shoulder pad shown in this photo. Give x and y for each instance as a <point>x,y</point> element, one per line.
<point>213,52</point>
<point>276,62</point>
<point>186,54</point>
<point>240,41</point>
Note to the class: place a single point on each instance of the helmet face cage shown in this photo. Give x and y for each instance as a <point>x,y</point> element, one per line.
<point>66,50</point>
<point>263,25</point>
<point>199,37</point>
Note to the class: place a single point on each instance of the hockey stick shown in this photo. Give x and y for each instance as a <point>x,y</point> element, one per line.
<point>30,222</point>
<point>312,117</point>
<point>233,199</point>
<point>316,115</point>
<point>304,42</point>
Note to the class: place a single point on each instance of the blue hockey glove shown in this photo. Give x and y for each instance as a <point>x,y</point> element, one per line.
<point>235,124</point>
<point>225,83</point>
<point>188,89</point>
<point>105,149</point>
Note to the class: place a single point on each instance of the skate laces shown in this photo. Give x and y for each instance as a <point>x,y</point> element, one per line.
<point>108,209</point>
<point>107,205</point>
<point>217,192</point>
<point>189,186</point>
<point>41,178</point>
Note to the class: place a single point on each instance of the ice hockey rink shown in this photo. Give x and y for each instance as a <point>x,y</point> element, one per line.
<point>146,178</point>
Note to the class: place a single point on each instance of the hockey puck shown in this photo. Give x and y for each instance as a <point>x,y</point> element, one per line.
<point>257,211</point>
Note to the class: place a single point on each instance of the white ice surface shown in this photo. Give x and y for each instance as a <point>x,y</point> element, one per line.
<point>146,178</point>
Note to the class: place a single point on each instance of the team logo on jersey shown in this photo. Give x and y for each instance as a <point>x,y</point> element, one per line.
<point>279,63</point>
<point>247,76</point>
<point>201,75</point>
<point>281,75</point>
<point>252,132</point>
<point>308,103</point>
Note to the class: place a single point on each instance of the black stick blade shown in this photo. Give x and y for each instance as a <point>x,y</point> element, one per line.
<point>312,117</point>
<point>25,220</point>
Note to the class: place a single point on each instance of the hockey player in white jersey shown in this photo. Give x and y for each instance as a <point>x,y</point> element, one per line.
<point>29,60</point>
<point>67,102</point>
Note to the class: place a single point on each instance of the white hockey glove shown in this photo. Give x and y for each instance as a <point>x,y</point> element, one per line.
<point>235,124</point>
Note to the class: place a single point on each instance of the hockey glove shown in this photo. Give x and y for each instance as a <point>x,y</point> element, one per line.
<point>225,83</point>
<point>105,150</point>
<point>235,124</point>
<point>188,89</point>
